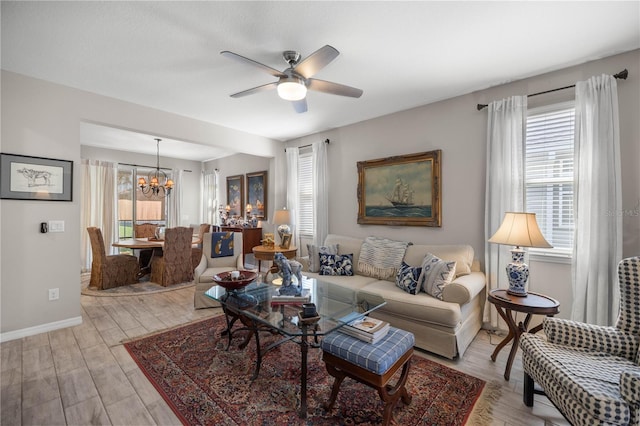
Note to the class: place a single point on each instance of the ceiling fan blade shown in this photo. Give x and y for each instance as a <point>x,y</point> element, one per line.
<point>316,61</point>
<point>258,89</point>
<point>274,72</point>
<point>333,88</point>
<point>300,106</point>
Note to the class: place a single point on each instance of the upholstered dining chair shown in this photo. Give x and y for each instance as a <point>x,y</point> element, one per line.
<point>146,230</point>
<point>108,271</point>
<point>590,372</point>
<point>196,252</point>
<point>174,266</point>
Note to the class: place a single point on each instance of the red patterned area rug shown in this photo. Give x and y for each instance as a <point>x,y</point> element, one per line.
<point>207,385</point>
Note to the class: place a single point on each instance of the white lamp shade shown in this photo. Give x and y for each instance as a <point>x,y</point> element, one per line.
<point>520,229</point>
<point>292,89</point>
<point>282,217</point>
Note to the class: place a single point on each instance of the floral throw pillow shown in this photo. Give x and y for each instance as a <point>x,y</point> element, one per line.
<point>407,278</point>
<point>314,255</point>
<point>336,264</point>
<point>436,274</point>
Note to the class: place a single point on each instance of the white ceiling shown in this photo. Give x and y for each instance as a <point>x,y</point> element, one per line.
<point>165,55</point>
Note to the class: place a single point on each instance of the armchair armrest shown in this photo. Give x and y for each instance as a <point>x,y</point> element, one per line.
<point>202,266</point>
<point>590,336</point>
<point>629,388</point>
<point>464,288</point>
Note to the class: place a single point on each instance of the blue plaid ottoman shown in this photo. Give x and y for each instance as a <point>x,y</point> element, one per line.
<point>371,364</point>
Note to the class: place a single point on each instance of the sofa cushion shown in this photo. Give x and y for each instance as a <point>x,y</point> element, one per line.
<point>436,274</point>
<point>418,308</point>
<point>407,278</point>
<point>462,254</point>
<point>346,245</point>
<point>314,254</point>
<point>336,264</point>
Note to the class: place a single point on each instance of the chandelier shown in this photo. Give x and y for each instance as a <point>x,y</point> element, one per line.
<point>154,188</point>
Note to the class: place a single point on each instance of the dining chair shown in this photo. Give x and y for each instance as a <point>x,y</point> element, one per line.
<point>108,271</point>
<point>145,230</point>
<point>196,252</point>
<point>174,266</point>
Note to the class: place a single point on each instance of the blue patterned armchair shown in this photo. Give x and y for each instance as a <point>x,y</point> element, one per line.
<point>591,373</point>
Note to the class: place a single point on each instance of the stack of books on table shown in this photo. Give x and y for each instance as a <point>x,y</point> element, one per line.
<point>304,297</point>
<point>365,328</point>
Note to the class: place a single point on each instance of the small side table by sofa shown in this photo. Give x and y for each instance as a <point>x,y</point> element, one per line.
<point>508,306</point>
<point>263,253</point>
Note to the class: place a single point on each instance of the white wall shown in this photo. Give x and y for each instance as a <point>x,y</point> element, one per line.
<point>457,128</point>
<point>191,207</point>
<point>43,119</point>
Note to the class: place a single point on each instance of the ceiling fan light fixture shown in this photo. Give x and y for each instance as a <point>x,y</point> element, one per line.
<point>292,89</point>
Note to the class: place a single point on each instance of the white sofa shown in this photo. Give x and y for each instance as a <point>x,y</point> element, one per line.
<point>210,266</point>
<point>445,327</point>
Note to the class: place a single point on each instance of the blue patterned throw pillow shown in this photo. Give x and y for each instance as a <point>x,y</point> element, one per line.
<point>436,274</point>
<point>316,251</point>
<point>336,264</point>
<point>407,278</point>
<point>221,244</point>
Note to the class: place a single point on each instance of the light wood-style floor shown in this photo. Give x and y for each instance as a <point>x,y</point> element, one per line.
<point>83,375</point>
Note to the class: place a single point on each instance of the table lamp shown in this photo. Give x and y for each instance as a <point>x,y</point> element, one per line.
<point>520,230</point>
<point>281,219</point>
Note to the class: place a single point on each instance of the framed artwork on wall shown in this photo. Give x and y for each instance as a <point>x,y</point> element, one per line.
<point>257,194</point>
<point>35,178</point>
<point>235,195</point>
<point>401,190</point>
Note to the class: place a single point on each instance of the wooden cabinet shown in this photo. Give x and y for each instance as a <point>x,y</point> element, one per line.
<point>251,237</point>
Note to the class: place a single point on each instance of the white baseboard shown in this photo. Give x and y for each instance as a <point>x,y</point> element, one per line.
<point>43,328</point>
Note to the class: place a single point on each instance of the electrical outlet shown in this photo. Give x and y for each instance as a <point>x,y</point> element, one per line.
<point>54,293</point>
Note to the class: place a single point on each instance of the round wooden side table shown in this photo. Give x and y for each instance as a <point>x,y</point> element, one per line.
<point>263,253</point>
<point>508,306</point>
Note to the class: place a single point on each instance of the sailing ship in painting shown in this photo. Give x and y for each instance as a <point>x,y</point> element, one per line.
<point>402,195</point>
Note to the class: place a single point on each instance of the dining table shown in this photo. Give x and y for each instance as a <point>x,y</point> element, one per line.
<point>139,244</point>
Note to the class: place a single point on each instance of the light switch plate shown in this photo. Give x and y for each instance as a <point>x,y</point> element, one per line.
<point>56,226</point>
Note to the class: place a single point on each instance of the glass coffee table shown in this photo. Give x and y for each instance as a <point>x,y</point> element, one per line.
<point>258,311</point>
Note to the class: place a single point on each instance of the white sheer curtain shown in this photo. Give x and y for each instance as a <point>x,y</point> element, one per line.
<point>175,199</point>
<point>98,206</point>
<point>210,198</point>
<point>506,128</point>
<point>292,187</point>
<point>597,177</point>
<point>320,192</point>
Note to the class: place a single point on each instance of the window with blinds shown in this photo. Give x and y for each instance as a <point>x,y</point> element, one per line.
<point>305,193</point>
<point>549,174</point>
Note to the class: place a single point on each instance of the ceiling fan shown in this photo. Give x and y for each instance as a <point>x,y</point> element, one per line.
<point>294,81</point>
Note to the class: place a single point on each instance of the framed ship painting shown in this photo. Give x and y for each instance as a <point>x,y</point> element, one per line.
<point>403,190</point>
<point>257,194</point>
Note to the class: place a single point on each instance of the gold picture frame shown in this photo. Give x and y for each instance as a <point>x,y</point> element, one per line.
<point>286,241</point>
<point>402,190</point>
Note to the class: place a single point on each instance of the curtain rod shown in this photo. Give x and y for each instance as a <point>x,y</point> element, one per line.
<point>327,141</point>
<point>621,75</point>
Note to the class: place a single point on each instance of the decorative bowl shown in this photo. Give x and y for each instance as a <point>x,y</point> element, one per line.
<point>224,279</point>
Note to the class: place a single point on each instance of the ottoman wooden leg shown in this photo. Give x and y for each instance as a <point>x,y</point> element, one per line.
<point>391,394</point>
<point>339,377</point>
